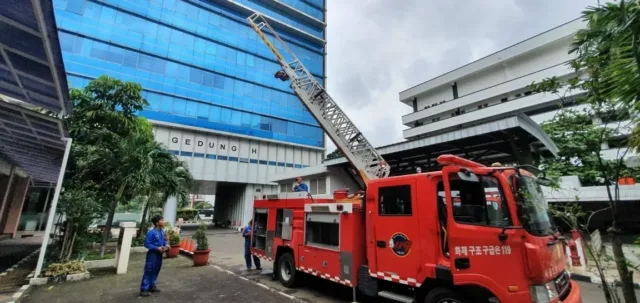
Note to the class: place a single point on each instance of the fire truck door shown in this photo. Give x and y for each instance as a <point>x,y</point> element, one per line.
<point>474,228</point>
<point>396,235</point>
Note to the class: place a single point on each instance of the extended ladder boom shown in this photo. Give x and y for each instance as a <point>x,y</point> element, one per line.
<point>349,140</point>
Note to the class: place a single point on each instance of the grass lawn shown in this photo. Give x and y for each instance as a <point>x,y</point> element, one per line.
<point>94,254</point>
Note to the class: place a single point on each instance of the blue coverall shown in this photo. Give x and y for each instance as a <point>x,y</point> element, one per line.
<point>301,187</point>
<point>155,238</point>
<point>246,233</point>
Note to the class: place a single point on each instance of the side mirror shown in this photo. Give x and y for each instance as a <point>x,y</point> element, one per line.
<point>544,181</point>
<point>468,176</point>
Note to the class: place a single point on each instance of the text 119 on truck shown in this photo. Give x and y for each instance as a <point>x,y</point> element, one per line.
<point>466,233</point>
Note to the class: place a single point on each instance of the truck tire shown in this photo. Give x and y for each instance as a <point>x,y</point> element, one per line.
<point>443,295</point>
<point>287,270</point>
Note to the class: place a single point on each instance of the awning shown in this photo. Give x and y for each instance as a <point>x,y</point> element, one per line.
<point>487,142</point>
<point>31,67</point>
<point>303,172</point>
<point>32,81</point>
<point>31,140</point>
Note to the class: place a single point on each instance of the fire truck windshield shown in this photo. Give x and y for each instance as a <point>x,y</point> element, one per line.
<point>532,207</point>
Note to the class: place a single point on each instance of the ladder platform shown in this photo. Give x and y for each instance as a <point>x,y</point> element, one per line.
<point>395,297</point>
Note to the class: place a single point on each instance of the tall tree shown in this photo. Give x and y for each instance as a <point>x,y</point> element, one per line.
<point>608,50</point>
<point>104,116</point>
<point>612,38</point>
<point>580,141</point>
<point>606,69</point>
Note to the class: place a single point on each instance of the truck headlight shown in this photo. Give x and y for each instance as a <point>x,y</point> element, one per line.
<point>543,293</point>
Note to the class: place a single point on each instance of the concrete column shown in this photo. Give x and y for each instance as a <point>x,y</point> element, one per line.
<point>123,250</point>
<point>170,210</point>
<point>6,186</point>
<point>46,203</point>
<point>249,195</point>
<point>521,150</point>
<point>15,210</point>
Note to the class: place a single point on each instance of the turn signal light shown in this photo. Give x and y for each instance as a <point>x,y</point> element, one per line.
<point>514,288</point>
<point>340,207</point>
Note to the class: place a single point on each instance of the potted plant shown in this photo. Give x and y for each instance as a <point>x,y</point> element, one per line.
<point>174,244</point>
<point>201,253</point>
<point>168,229</point>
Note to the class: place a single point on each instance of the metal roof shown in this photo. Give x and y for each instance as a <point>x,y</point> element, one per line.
<point>486,142</point>
<point>32,78</point>
<point>31,67</point>
<point>303,172</point>
<point>31,140</point>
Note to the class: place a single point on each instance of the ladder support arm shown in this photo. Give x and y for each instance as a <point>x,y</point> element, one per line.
<point>340,129</point>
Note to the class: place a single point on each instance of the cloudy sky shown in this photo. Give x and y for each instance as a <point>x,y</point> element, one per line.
<point>377,48</point>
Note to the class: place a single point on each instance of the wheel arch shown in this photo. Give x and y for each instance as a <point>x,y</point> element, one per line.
<point>469,290</point>
<point>281,250</point>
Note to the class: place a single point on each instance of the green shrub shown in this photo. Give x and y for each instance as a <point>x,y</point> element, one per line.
<point>174,238</point>
<point>137,241</point>
<point>63,269</point>
<point>200,237</point>
<point>187,214</point>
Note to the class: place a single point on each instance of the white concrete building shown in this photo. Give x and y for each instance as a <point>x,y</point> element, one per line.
<point>498,86</point>
<point>233,167</point>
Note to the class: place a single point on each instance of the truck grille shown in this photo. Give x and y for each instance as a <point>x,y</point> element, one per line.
<point>563,284</point>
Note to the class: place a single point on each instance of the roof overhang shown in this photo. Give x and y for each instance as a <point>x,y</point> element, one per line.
<point>31,67</point>
<point>31,140</point>
<point>303,172</point>
<point>33,90</point>
<point>487,142</point>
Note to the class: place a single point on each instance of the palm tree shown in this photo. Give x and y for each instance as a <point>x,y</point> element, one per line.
<point>131,162</point>
<point>170,177</point>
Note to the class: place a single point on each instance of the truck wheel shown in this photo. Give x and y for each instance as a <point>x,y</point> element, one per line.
<point>443,295</point>
<point>287,270</point>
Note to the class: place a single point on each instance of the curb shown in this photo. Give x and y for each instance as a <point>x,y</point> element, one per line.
<point>14,266</point>
<point>19,293</point>
<point>596,280</point>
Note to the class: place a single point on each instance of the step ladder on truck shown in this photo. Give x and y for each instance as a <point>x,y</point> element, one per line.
<point>404,238</point>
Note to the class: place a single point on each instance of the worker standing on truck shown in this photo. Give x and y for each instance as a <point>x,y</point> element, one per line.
<point>246,233</point>
<point>299,186</point>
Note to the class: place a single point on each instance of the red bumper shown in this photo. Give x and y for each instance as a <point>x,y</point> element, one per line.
<point>574,296</point>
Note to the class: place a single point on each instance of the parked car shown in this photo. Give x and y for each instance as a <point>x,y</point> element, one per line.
<point>205,214</point>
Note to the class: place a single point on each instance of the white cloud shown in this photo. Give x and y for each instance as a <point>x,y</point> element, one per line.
<point>377,48</point>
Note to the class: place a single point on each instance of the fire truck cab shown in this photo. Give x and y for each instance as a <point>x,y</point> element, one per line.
<point>409,239</point>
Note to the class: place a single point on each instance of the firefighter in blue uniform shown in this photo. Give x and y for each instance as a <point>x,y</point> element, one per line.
<point>156,243</point>
<point>246,233</point>
<point>299,186</point>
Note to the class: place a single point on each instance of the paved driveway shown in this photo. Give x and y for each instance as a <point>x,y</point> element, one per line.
<point>179,282</point>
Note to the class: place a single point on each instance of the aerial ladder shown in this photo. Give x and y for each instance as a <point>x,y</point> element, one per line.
<point>344,134</point>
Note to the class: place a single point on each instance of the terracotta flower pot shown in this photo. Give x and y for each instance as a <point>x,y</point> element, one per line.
<point>173,251</point>
<point>201,257</point>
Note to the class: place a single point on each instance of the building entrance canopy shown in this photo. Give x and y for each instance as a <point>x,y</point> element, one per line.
<point>32,79</point>
<point>506,140</point>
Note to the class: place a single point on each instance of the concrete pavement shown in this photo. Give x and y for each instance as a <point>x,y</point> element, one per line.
<point>179,282</point>
<point>592,293</point>
<point>227,251</point>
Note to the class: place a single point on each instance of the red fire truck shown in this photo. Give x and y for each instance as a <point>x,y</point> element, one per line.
<point>467,233</point>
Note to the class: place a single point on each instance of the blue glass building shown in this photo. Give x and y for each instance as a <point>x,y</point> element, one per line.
<point>199,61</point>
<point>210,84</point>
